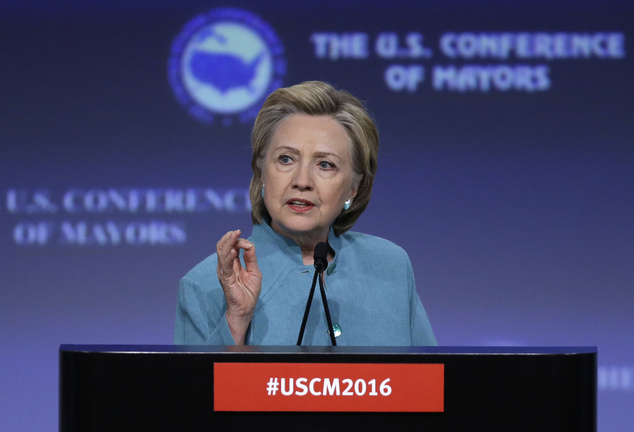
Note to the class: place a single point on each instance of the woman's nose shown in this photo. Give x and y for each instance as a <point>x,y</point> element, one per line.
<point>303,178</point>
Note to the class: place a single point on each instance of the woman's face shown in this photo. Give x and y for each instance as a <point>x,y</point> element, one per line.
<point>308,175</point>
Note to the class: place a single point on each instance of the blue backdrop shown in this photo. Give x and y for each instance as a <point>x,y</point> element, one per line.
<point>505,168</point>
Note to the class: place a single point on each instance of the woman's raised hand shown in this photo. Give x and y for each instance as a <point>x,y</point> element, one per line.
<point>241,285</point>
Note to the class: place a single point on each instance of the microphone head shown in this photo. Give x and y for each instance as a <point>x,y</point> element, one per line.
<point>321,256</point>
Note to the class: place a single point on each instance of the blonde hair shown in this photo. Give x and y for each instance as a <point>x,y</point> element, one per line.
<point>317,98</point>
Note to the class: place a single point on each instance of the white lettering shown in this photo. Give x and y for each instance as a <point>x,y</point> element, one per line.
<point>97,201</point>
<point>385,388</point>
<point>22,201</point>
<point>372,384</point>
<point>547,46</point>
<point>111,233</point>
<point>348,390</point>
<point>414,42</point>
<point>386,45</point>
<point>301,384</point>
<point>30,234</point>
<point>287,391</point>
<point>335,46</point>
<point>408,78</point>
<point>360,387</point>
<point>312,387</point>
<point>486,78</point>
<point>331,388</point>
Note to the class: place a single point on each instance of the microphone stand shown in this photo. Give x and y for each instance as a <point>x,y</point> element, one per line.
<point>331,331</point>
<point>321,263</point>
<point>307,310</point>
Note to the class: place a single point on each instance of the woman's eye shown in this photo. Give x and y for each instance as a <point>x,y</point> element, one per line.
<point>326,165</point>
<point>285,159</point>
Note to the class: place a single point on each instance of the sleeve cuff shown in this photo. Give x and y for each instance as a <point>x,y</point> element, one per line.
<point>221,334</point>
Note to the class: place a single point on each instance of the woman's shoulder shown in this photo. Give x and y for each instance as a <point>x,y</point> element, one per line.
<point>372,246</point>
<point>203,273</point>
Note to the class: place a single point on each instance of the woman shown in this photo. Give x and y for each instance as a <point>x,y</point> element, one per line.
<point>314,160</point>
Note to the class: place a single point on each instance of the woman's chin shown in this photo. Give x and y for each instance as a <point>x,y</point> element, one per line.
<point>301,228</point>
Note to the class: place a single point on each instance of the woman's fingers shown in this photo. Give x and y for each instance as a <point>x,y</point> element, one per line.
<point>227,253</point>
<point>237,267</point>
<point>227,242</point>
<point>250,259</point>
<point>230,270</point>
<point>241,285</point>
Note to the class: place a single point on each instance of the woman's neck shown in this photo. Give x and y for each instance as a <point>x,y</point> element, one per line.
<point>306,242</point>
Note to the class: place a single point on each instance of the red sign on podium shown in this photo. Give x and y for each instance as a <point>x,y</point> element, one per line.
<point>329,387</point>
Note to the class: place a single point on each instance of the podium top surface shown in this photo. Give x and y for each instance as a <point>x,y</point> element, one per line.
<point>442,350</point>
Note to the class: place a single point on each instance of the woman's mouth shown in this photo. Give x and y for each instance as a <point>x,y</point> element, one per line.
<point>300,205</point>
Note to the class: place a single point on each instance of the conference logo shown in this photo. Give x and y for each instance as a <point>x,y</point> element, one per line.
<point>224,63</point>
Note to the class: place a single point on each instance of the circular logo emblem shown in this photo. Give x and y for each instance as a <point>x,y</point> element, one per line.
<point>224,63</point>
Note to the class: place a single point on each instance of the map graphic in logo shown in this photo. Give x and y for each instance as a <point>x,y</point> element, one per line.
<point>224,63</point>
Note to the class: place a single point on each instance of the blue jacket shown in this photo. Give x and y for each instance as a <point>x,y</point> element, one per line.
<point>369,285</point>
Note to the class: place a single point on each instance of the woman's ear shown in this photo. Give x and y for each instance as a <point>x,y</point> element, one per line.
<point>356,181</point>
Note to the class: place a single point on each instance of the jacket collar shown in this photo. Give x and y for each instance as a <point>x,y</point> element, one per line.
<point>270,243</point>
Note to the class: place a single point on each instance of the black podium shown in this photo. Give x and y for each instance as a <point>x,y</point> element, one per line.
<point>171,388</point>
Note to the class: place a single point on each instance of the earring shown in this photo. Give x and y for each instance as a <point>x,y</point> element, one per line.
<point>347,204</point>
<point>262,190</point>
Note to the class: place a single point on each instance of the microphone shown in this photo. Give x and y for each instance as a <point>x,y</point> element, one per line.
<point>320,257</point>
